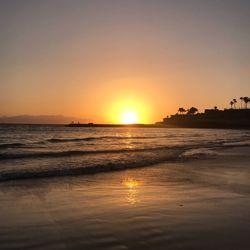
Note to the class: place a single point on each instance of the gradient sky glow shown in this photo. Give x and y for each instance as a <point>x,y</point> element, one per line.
<point>93,58</point>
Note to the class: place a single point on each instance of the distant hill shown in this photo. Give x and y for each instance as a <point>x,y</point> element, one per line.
<point>41,119</point>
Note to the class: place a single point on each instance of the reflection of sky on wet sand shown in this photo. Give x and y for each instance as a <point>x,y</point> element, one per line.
<point>132,209</point>
<point>132,190</point>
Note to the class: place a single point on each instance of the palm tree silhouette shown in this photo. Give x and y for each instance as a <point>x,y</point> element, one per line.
<point>241,100</point>
<point>235,101</point>
<point>192,111</point>
<point>231,104</point>
<point>181,110</point>
<point>246,100</point>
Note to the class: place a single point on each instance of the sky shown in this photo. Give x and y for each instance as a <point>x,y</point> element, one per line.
<point>98,59</point>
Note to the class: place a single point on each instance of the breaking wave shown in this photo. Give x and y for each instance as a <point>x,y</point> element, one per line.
<point>81,169</point>
<point>53,154</point>
<point>11,145</point>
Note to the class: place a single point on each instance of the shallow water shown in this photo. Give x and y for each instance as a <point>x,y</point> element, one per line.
<point>29,151</point>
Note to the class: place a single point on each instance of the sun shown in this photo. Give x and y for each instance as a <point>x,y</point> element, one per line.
<point>128,111</point>
<point>129,117</point>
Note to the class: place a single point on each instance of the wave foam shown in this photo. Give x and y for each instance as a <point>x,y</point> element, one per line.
<point>141,160</point>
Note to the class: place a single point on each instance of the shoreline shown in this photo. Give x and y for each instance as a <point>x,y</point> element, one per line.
<point>163,126</point>
<point>183,157</point>
<point>200,126</point>
<point>199,204</point>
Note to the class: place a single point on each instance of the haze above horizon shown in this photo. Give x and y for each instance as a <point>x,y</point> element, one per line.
<point>112,60</point>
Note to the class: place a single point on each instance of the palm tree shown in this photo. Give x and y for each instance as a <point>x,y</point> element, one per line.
<point>241,99</point>
<point>181,110</point>
<point>246,100</point>
<point>231,104</point>
<point>235,101</point>
<point>192,111</point>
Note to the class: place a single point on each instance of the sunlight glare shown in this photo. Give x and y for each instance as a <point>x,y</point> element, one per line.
<point>128,111</point>
<point>129,117</point>
<point>132,191</point>
<point>131,183</point>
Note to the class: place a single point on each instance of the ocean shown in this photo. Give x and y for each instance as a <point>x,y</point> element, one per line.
<point>178,189</point>
<point>31,151</point>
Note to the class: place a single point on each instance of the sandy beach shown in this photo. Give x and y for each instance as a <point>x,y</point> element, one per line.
<point>197,204</point>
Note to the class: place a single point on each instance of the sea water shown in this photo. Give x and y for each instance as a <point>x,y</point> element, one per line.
<point>194,194</point>
<point>31,151</point>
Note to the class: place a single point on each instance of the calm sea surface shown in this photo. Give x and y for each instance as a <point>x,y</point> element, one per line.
<point>29,151</point>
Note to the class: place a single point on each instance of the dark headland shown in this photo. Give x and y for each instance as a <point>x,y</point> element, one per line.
<point>237,117</point>
<point>211,118</point>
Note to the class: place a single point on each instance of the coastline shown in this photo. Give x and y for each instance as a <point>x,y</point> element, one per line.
<point>211,118</point>
<point>149,126</point>
<point>197,204</point>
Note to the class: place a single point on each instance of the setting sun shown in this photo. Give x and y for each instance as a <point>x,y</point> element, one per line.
<point>129,117</point>
<point>133,110</point>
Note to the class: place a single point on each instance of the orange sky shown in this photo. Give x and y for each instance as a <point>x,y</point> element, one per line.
<point>95,59</point>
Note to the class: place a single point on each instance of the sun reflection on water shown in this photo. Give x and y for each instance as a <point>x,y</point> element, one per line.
<point>132,190</point>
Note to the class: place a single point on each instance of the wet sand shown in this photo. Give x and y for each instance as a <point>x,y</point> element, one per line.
<point>198,204</point>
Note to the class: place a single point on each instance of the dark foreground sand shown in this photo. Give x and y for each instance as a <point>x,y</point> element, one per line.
<point>200,204</point>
